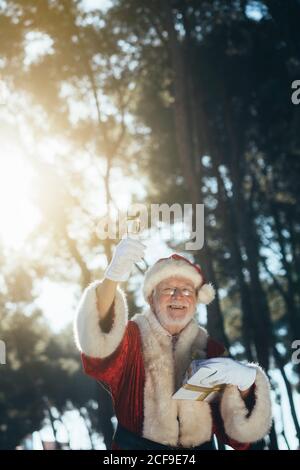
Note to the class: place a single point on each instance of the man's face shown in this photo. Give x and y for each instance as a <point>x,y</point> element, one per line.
<point>174,303</point>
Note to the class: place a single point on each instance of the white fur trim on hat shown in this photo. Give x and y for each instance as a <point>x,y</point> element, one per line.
<point>206,294</point>
<point>170,267</point>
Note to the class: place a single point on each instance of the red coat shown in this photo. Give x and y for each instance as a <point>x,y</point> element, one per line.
<point>124,373</point>
<point>137,361</point>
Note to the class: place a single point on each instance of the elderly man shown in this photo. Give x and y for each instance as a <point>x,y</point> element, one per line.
<point>143,361</point>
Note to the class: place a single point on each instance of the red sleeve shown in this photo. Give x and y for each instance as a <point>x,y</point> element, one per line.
<point>111,369</point>
<point>216,349</point>
<point>219,431</point>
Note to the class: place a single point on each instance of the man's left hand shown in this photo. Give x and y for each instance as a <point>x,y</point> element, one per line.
<point>227,371</point>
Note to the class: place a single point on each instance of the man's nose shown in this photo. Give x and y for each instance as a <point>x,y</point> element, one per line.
<point>177,293</point>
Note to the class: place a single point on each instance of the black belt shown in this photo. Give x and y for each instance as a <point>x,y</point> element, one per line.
<point>128,440</point>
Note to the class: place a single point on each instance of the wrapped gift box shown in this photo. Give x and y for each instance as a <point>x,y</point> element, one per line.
<point>193,389</point>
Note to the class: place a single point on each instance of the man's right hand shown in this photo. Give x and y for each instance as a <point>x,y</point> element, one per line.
<point>128,252</point>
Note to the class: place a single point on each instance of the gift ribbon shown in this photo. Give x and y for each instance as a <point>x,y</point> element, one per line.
<point>205,391</point>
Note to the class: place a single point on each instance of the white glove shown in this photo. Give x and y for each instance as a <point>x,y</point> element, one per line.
<point>227,371</point>
<point>127,252</point>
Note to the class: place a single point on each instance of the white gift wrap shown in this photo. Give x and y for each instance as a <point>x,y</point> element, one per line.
<point>192,389</point>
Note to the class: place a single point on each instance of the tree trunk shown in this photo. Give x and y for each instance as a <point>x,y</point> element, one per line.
<point>280,364</point>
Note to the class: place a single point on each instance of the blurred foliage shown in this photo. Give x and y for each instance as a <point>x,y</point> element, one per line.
<point>39,366</point>
<point>189,99</point>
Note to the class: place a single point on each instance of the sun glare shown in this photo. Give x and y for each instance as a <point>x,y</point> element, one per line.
<point>17,214</point>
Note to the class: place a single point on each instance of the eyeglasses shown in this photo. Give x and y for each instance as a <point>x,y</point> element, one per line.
<point>170,291</point>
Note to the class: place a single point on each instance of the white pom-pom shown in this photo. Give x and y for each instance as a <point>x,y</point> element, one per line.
<point>206,294</point>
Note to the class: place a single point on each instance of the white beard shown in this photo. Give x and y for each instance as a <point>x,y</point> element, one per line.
<point>165,320</point>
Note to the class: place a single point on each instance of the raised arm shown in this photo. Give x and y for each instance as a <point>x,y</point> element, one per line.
<point>127,252</point>
<point>102,312</point>
<point>105,293</point>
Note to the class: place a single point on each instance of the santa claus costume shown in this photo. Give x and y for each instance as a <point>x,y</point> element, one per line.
<point>142,365</point>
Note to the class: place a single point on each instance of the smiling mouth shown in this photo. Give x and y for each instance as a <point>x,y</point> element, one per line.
<point>177,307</point>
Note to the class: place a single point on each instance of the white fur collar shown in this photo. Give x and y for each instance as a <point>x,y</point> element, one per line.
<point>171,422</point>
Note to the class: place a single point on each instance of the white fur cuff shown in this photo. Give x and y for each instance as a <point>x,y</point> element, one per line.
<point>89,337</point>
<point>238,425</point>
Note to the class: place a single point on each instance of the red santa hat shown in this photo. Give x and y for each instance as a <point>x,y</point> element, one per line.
<point>177,265</point>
